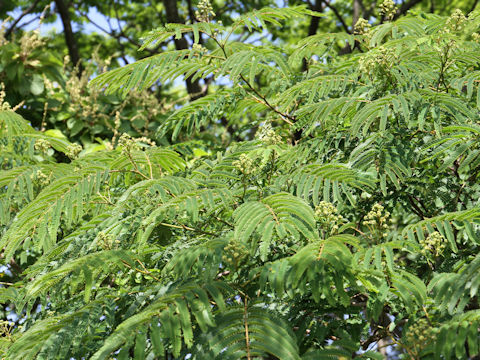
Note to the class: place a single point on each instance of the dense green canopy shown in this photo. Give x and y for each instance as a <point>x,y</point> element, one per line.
<point>258,181</point>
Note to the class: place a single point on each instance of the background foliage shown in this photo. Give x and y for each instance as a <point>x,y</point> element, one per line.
<point>272,183</point>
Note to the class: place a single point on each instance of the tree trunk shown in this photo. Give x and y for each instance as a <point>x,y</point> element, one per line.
<point>312,30</point>
<point>358,10</point>
<point>313,27</point>
<point>72,45</point>
<point>315,21</point>
<point>171,9</point>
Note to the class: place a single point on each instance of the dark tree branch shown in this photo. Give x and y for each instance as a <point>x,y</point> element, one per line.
<point>415,207</point>
<point>191,13</point>
<point>358,11</point>
<point>338,15</point>
<point>193,87</point>
<point>85,15</point>
<point>63,10</point>
<point>24,13</point>
<point>405,7</point>
<point>474,5</point>
<point>122,33</point>
<point>313,27</point>
<point>312,30</point>
<point>31,21</point>
<point>315,20</point>
<point>118,35</point>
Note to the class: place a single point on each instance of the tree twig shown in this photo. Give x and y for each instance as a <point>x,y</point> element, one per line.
<point>24,13</point>
<point>405,7</point>
<point>338,15</point>
<point>181,226</point>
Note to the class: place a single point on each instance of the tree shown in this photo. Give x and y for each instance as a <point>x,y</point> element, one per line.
<point>128,20</point>
<point>357,239</point>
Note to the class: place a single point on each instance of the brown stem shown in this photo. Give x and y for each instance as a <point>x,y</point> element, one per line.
<point>130,170</point>
<point>181,226</point>
<point>245,319</point>
<point>144,272</point>
<point>285,117</point>
<point>263,100</point>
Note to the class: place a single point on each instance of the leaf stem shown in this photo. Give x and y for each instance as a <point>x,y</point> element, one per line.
<point>245,319</point>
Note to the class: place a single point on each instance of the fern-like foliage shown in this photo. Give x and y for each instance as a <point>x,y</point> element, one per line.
<point>336,216</point>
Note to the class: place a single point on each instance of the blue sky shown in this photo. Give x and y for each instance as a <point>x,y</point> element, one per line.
<point>57,25</point>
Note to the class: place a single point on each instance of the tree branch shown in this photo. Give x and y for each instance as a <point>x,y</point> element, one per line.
<point>24,13</point>
<point>118,36</point>
<point>474,5</point>
<point>338,15</point>
<point>405,7</point>
<point>122,33</point>
<point>171,9</point>
<point>315,20</point>
<point>72,45</point>
<point>416,209</point>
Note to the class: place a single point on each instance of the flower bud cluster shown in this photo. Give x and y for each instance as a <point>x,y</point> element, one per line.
<point>73,150</point>
<point>476,37</point>
<point>127,143</point>
<point>3,104</point>
<point>420,334</point>
<point>80,101</point>
<point>376,215</point>
<point>41,178</point>
<point>117,122</point>
<point>244,164</point>
<point>234,253</point>
<point>328,217</point>
<point>3,26</point>
<point>268,136</point>
<point>378,62</point>
<point>217,32</point>
<point>388,9</point>
<point>199,48</point>
<point>455,22</point>
<point>42,145</point>
<point>205,11</point>
<point>84,101</point>
<point>6,328</point>
<point>362,27</point>
<point>378,218</point>
<point>144,140</point>
<point>29,42</point>
<point>49,85</point>
<point>107,241</point>
<point>433,244</point>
